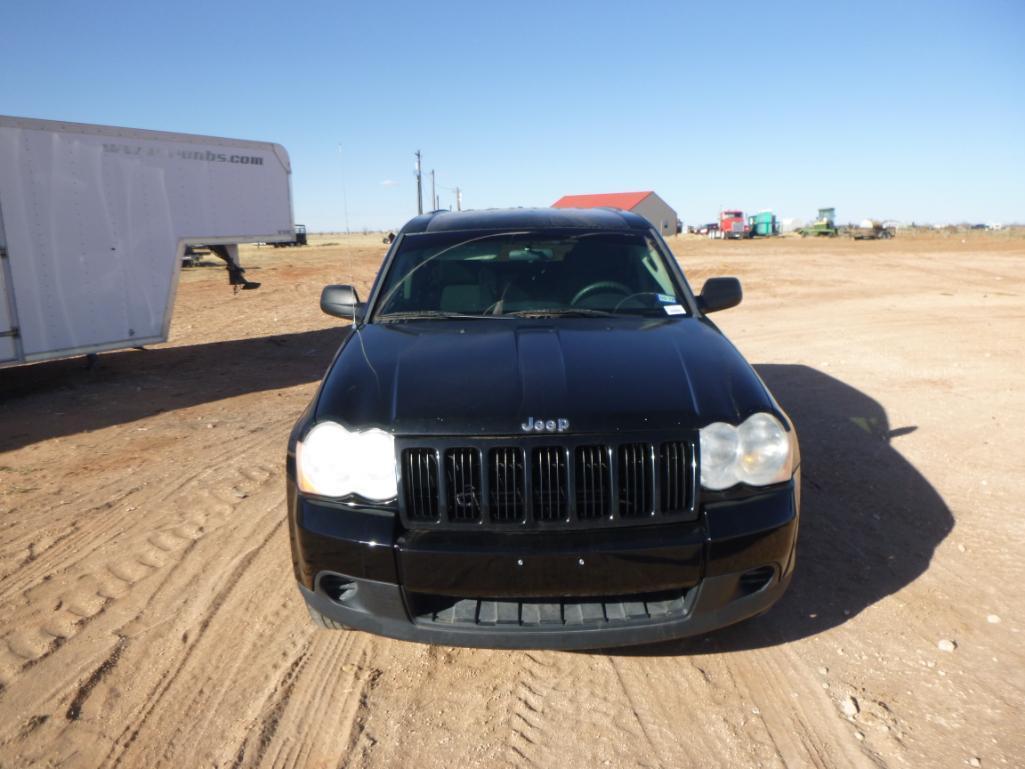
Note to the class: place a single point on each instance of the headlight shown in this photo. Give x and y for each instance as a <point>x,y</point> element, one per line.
<point>758,452</point>
<point>332,462</point>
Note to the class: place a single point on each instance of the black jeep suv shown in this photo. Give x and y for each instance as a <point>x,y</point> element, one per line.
<point>533,436</point>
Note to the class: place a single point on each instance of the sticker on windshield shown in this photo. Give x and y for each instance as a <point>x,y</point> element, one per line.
<point>666,299</point>
<point>675,309</point>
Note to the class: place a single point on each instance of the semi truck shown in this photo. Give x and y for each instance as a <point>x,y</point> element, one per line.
<point>95,222</point>
<point>732,225</point>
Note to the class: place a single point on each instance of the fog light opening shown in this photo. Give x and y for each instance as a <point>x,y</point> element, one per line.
<point>753,580</point>
<point>338,589</point>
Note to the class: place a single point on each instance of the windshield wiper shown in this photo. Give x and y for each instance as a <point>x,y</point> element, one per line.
<point>561,312</point>
<point>432,314</point>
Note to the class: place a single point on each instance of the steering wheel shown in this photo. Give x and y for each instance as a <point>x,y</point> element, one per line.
<point>598,286</point>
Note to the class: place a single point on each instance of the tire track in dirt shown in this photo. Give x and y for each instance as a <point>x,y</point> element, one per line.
<point>29,641</point>
<point>113,581</point>
<point>436,701</point>
<point>271,718</point>
<point>596,709</point>
<point>528,724</point>
<point>63,548</point>
<point>360,742</point>
<point>806,727</point>
<point>290,713</point>
<point>796,716</point>
<point>766,704</point>
<point>322,707</point>
<point>128,735</point>
<point>649,738</point>
<point>106,504</point>
<point>75,708</point>
<point>564,711</point>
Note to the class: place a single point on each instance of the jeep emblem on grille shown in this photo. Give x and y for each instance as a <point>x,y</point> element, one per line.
<point>545,425</point>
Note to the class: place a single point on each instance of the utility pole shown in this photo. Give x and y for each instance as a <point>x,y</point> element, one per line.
<point>419,186</point>
<point>434,195</point>
<point>459,199</point>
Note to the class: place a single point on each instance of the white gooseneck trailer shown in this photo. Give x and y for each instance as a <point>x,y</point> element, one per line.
<point>94,221</point>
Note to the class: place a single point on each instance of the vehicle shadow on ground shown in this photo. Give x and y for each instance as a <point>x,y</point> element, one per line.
<point>65,397</point>
<point>870,521</point>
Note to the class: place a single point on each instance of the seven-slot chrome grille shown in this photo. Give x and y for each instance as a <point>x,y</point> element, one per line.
<point>545,482</point>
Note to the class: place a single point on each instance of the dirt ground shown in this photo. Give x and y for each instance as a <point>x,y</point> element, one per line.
<point>149,616</point>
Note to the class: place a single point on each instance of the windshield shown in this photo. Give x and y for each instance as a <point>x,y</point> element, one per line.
<point>528,273</point>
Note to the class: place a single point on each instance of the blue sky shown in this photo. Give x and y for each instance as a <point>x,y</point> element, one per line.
<point>909,110</point>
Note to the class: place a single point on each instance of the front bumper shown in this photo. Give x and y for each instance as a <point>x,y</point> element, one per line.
<point>557,590</point>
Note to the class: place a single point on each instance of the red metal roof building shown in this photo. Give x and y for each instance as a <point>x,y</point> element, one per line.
<point>645,203</point>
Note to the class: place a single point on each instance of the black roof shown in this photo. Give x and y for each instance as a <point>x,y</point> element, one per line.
<point>528,219</point>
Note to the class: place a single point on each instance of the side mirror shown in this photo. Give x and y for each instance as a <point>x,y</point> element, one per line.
<point>720,294</point>
<point>341,301</point>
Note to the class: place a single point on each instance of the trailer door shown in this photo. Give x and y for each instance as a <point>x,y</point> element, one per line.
<point>9,347</point>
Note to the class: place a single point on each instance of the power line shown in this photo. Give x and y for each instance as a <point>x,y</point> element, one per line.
<point>435,201</point>
<point>458,193</point>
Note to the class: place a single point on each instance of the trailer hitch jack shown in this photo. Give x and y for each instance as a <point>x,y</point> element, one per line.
<point>236,272</point>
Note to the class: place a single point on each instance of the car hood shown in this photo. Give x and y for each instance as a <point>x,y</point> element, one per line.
<point>487,377</point>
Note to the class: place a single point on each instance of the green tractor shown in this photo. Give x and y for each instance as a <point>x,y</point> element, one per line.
<point>824,226</point>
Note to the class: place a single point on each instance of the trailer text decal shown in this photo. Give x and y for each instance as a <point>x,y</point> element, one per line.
<point>207,155</point>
